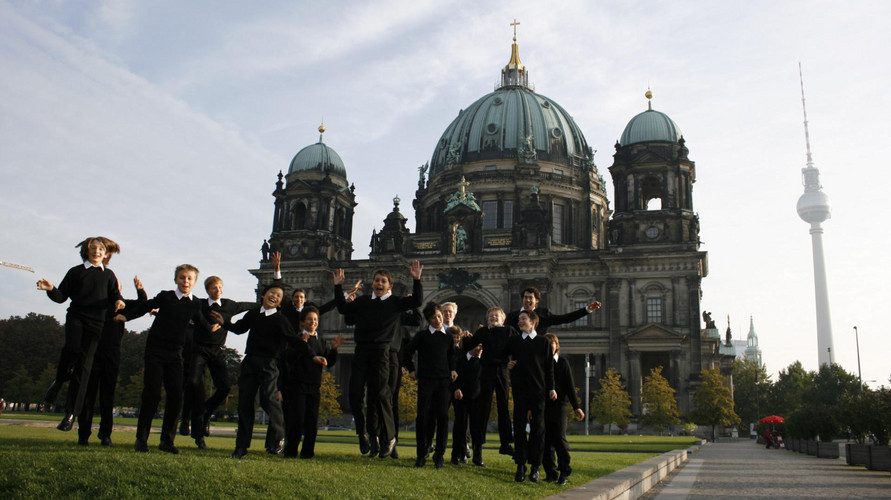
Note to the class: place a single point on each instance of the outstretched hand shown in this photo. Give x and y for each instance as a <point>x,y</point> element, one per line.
<point>276,259</point>
<point>45,284</point>
<point>415,270</point>
<point>338,277</point>
<point>593,306</point>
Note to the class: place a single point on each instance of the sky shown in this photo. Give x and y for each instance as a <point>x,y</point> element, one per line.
<point>163,125</point>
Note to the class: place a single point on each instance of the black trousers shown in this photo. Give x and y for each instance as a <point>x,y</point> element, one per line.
<point>433,406</point>
<point>497,379</point>
<point>161,367</point>
<point>258,375</point>
<point>466,409</point>
<point>76,360</point>
<point>528,449</point>
<point>213,358</point>
<point>188,397</point>
<point>104,381</point>
<point>394,381</point>
<point>555,439</point>
<point>301,412</point>
<point>371,366</point>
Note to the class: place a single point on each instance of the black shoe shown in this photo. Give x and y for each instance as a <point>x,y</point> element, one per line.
<point>141,446</point>
<point>239,453</point>
<point>438,462</point>
<point>478,461</point>
<point>478,456</point>
<point>550,477</point>
<point>364,445</point>
<point>520,476</point>
<point>274,450</point>
<point>534,475</point>
<point>106,441</point>
<point>420,462</point>
<point>455,461</point>
<point>563,479</point>
<point>201,444</point>
<point>168,448</point>
<point>506,449</point>
<point>83,441</point>
<point>386,450</point>
<point>184,428</point>
<point>394,454</point>
<point>373,446</point>
<point>67,423</point>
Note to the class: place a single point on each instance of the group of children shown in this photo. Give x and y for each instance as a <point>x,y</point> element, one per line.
<point>285,355</point>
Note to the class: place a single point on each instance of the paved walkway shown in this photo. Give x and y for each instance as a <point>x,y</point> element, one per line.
<point>743,469</point>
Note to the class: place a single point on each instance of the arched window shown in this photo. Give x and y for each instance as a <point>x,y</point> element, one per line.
<point>299,215</point>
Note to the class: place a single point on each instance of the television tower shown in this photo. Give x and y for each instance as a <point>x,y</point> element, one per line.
<point>813,208</point>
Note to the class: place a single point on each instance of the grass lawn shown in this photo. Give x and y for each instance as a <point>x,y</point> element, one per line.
<point>43,462</point>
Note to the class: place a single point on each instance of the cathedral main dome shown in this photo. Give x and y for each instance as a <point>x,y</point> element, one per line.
<point>510,122</point>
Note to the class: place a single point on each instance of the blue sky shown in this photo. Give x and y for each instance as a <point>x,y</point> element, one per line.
<point>163,125</point>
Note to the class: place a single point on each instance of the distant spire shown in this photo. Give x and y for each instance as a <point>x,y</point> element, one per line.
<point>515,73</point>
<point>321,130</point>
<point>649,95</point>
<point>753,352</point>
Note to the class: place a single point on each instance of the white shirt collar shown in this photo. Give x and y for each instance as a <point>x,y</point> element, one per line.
<point>312,334</point>
<point>556,356</point>
<point>211,302</point>
<point>531,334</point>
<point>434,330</point>
<point>88,264</point>
<point>268,312</point>
<point>180,295</point>
<point>382,297</point>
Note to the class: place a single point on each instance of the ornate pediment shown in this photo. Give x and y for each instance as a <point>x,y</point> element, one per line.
<point>654,332</point>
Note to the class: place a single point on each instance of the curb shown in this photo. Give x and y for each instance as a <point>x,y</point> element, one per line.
<point>631,482</point>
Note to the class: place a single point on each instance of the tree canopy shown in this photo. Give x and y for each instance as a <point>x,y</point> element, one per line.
<point>611,403</point>
<point>659,402</point>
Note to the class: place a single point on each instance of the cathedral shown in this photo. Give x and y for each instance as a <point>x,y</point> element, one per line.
<point>512,198</point>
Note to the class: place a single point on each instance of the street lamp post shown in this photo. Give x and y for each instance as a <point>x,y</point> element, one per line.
<point>859,376</point>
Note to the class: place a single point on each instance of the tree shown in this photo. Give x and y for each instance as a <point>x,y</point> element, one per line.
<point>32,341</point>
<point>787,394</point>
<point>329,407</point>
<point>822,409</point>
<point>659,402</point>
<point>751,386</point>
<point>408,400</point>
<point>712,403</point>
<point>611,402</point>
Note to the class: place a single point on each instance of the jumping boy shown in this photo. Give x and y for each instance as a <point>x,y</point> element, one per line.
<point>104,376</point>
<point>377,321</point>
<point>178,312</point>
<point>532,381</point>
<point>436,369</point>
<point>532,297</point>
<point>93,289</point>
<point>209,352</point>
<point>301,383</point>
<point>269,330</point>
<point>555,418</point>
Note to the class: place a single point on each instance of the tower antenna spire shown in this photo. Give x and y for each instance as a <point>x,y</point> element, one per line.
<point>807,137</point>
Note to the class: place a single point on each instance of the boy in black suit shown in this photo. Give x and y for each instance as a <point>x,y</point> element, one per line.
<point>465,394</point>
<point>208,352</point>
<point>104,376</point>
<point>436,369</point>
<point>93,290</point>
<point>178,312</point>
<point>269,330</point>
<point>301,382</point>
<point>377,319</point>
<point>531,298</point>
<point>555,417</point>
<point>532,381</point>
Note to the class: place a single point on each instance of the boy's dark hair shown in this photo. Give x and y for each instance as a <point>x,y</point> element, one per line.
<point>454,330</point>
<point>270,287</point>
<point>309,309</point>
<point>533,317</point>
<point>185,267</point>
<point>534,291</point>
<point>553,338</point>
<point>430,310</point>
<point>111,248</point>
<point>384,273</point>
<point>298,290</point>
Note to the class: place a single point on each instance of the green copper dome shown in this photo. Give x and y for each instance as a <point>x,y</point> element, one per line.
<point>318,157</point>
<point>650,126</point>
<point>509,123</point>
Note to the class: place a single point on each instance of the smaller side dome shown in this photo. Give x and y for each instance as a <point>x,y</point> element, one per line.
<point>651,125</point>
<point>318,157</point>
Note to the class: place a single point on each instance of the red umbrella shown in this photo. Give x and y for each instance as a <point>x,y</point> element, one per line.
<point>772,420</point>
